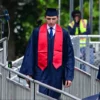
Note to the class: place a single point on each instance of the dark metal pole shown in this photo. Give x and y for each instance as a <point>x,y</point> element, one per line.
<point>81,7</point>
<point>59,9</point>
<point>99,17</point>
<point>0,28</point>
<point>71,8</point>
<point>91,15</point>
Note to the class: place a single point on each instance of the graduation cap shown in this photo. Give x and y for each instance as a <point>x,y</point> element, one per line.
<point>51,12</point>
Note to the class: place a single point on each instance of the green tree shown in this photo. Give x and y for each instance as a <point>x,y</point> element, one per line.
<point>25,15</point>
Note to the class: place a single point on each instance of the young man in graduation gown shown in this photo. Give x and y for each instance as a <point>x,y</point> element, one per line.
<point>49,57</point>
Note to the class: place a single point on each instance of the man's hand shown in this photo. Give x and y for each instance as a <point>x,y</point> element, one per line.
<point>68,83</point>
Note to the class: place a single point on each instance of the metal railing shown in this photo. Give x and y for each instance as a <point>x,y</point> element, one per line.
<point>12,90</point>
<point>96,44</point>
<point>17,62</point>
<point>90,56</point>
<point>84,83</point>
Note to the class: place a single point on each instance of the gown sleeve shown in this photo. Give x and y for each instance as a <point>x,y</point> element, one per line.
<point>69,60</point>
<point>27,66</point>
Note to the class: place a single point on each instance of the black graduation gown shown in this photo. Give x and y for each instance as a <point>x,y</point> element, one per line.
<point>50,75</point>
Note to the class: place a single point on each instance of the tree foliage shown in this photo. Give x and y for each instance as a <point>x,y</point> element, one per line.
<point>26,16</point>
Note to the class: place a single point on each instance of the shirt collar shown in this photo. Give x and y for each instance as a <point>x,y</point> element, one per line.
<point>54,27</point>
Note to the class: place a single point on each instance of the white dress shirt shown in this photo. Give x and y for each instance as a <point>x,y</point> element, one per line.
<point>54,29</point>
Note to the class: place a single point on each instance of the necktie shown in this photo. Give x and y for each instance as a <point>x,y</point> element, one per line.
<point>51,32</point>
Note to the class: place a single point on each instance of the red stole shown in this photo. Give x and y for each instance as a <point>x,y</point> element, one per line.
<point>43,47</point>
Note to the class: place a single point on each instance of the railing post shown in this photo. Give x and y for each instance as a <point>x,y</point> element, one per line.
<point>4,73</point>
<point>93,79</point>
<point>76,46</point>
<point>81,7</point>
<point>32,87</point>
<point>91,15</point>
<point>71,8</point>
<point>4,51</point>
<point>0,85</point>
<point>59,9</point>
<point>87,51</point>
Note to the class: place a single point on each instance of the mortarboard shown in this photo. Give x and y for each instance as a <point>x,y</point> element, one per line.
<point>51,12</point>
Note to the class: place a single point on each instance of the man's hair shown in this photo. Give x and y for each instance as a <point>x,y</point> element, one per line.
<point>76,13</point>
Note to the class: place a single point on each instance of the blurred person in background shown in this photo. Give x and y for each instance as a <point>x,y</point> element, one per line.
<point>81,26</point>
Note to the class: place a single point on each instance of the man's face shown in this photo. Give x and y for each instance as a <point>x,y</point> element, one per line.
<point>77,18</point>
<point>51,20</point>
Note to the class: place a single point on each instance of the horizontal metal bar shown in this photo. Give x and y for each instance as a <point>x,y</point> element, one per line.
<point>90,36</point>
<point>95,42</point>
<point>1,49</point>
<point>3,39</point>
<point>16,61</point>
<point>11,70</point>
<point>16,68</point>
<point>15,82</point>
<point>82,71</point>
<point>2,65</point>
<point>13,77</point>
<point>86,63</point>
